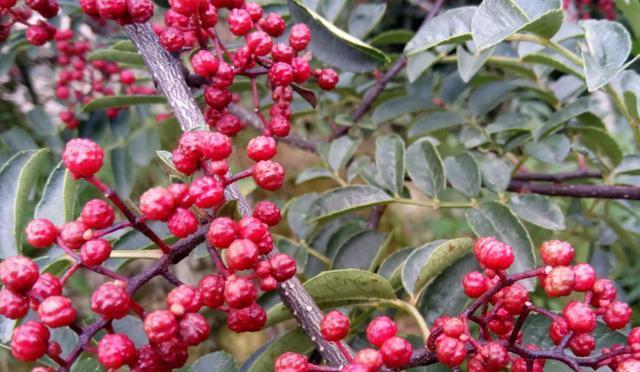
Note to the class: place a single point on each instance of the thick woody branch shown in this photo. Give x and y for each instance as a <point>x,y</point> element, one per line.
<point>577,191</point>
<point>557,177</point>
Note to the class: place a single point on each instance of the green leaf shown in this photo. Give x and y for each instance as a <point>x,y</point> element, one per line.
<point>418,63</point>
<point>494,219</point>
<point>334,46</point>
<point>340,151</point>
<point>553,149</point>
<point>463,173</point>
<point>122,101</point>
<point>392,37</point>
<point>470,63</point>
<point>59,196</point>
<point>572,110</point>
<point>390,161</point>
<point>313,173</point>
<point>122,167</point>
<point>539,210</point>
<point>601,144</point>
<point>347,199</point>
<point>413,265</point>
<point>488,96</point>
<point>295,341</point>
<point>496,173</point>
<point>133,328</point>
<point>125,45</point>
<point>608,45</point>
<point>425,167</point>
<point>439,259</point>
<point>450,27</point>
<point>298,213</point>
<point>17,139</point>
<point>113,55</point>
<point>391,267</point>
<point>338,288</point>
<point>87,364</point>
<point>346,231</point>
<point>630,165</point>
<point>17,177</point>
<point>359,251</point>
<point>495,20</point>
<point>364,18</point>
<point>433,121</point>
<point>218,361</point>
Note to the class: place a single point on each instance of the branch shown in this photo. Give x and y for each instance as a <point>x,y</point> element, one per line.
<point>169,76</point>
<point>558,177</point>
<point>577,191</point>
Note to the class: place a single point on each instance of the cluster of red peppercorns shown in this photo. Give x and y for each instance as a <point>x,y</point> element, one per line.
<point>584,8</point>
<point>388,350</point>
<point>79,81</point>
<point>122,11</point>
<point>38,32</point>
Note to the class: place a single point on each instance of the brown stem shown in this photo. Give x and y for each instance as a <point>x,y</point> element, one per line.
<point>557,177</point>
<point>577,191</point>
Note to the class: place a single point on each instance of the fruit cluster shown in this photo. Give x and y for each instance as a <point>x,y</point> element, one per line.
<point>500,307</point>
<point>584,8</point>
<point>38,32</point>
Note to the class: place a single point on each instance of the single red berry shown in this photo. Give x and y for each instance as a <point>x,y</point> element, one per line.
<point>217,98</point>
<point>110,301</point>
<point>57,311</point>
<point>280,125</point>
<point>267,212</point>
<point>453,327</point>
<point>223,79</point>
<point>291,362</point>
<point>262,268</point>
<point>205,63</point>
<point>47,285</point>
<point>585,277</point>
<point>268,174</point>
<point>495,356</point>
<point>181,196</point>
<point>222,232</point>
<point>148,361</point>
<point>207,192</point>
<point>111,9</point>
<point>579,316</point>
<point>127,77</point>
<point>450,351</point>
<point>193,329</point>
<point>215,146</point>
<point>182,223</point>
<point>242,255</point>
<point>265,246</point>
<point>617,315</point>
<point>474,284</point>
<point>140,11</point>
<point>281,74</point>
<point>13,305</point>
<point>157,203</point>
<point>582,344</point>
<point>557,253</point>
<point>262,148</point>
<point>183,162</point>
<point>97,214</point>
<point>173,352</point>
<point>634,336</point>
<point>558,330</point>
<point>268,284</point>
<point>396,352</point>
<point>370,358</point>
<point>273,24</point>
<point>89,7</point>
<point>334,326</point>
<point>249,319</point>
<point>282,53</point>
<point>72,234</point>
<point>300,36</point>
<point>37,35</point>
<point>116,350</point>
<point>209,18</point>
<point>514,299</point>
<point>95,251</point>
<point>82,157</point>
<point>254,10</point>
<point>560,281</point>
<point>190,143</point>
<point>29,341</point>
<point>184,299</point>
<point>160,325</point>
<point>381,329</point>
<point>260,43</point>
<point>239,292</point>
<point>604,292</point>
<point>40,233</point>
<point>43,369</point>
<point>283,267</point>
<point>497,256</point>
<point>328,79</point>
<point>239,21</point>
<point>172,39</point>
<point>19,273</point>
<point>251,228</point>
<point>301,70</point>
<point>229,124</point>
<point>185,7</point>
<point>211,288</point>
<point>218,167</point>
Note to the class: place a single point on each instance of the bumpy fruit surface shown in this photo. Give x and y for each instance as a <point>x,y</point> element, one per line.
<point>97,214</point>
<point>29,341</point>
<point>557,253</point>
<point>249,319</point>
<point>283,267</point>
<point>184,299</point>
<point>560,281</point>
<point>239,292</point>
<point>474,284</point>
<point>242,254</point>
<point>116,350</point>
<point>269,175</point>
<point>83,157</point>
<point>396,352</point>
<point>370,358</point>
<point>211,288</point>
<point>193,329</point>
<point>207,192</point>
<point>95,251</point>
<point>57,311</point>
<point>617,315</point>
<point>380,330</point>
<point>148,361</point>
<point>267,212</point>
<point>160,325</point>
<point>19,273</point>
<point>222,232</point>
<point>72,234</point>
<point>40,233</point>
<point>300,36</point>
<point>182,223</point>
<point>46,285</point>
<point>110,301</point>
<point>579,316</point>
<point>13,305</point>
<point>157,203</point>
<point>291,362</point>
<point>334,326</point>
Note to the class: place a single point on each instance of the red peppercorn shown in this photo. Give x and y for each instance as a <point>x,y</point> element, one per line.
<point>37,35</point>
<point>268,174</point>
<point>268,284</point>
<point>184,163</point>
<point>265,245</point>
<point>139,11</point>
<point>334,326</point>
<point>148,361</point>
<point>262,148</point>
<point>495,356</point>
<point>46,285</point>
<point>116,350</point>
<point>267,212</point>
<point>215,146</point>
<point>217,98</point>
<point>82,157</point>
<point>182,223</point>
<point>209,18</point>
<point>89,7</point>
<point>242,255</point>
<point>283,267</point>
<point>281,74</point>
<point>604,292</point>
<point>579,316</point>
<point>207,192</point>
<point>173,352</point>
<point>249,319</point>
<point>229,124</point>
<point>396,352</point>
<point>381,329</point>
<point>127,77</point>
<point>56,311</point>
<point>273,24</point>
<point>211,288</point>
<point>251,228</point>
<point>474,284</point>
<point>328,79</point>
<point>157,203</point>
<point>72,234</point>
<point>172,39</point>
<point>205,63</point>
<point>514,298</point>
<point>617,315</point>
<point>184,299</point>
<point>239,21</point>
<point>280,126</point>
<point>291,362</point>
<point>19,273</point>
<point>185,7</point>
<point>560,281</point>
<point>40,233</point>
<point>634,336</point>
<point>282,53</point>
<point>582,344</point>
<point>111,9</point>
<point>193,329</point>
<point>300,36</point>
<point>97,214</point>
<point>260,43</point>
<point>557,253</point>
<point>301,70</point>
<point>29,341</point>
<point>181,196</point>
<point>239,292</point>
<point>13,305</point>
<point>110,301</point>
<point>496,255</point>
<point>629,365</point>
<point>95,251</point>
<point>370,358</point>
<point>453,327</point>
<point>160,325</point>
<point>224,77</point>
<point>558,330</point>
<point>222,232</point>
<point>585,277</point>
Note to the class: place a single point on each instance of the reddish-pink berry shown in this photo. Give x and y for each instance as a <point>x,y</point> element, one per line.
<point>205,63</point>
<point>474,284</point>
<point>181,196</point>
<point>239,22</point>
<point>182,223</point>
<point>29,341</point>
<point>215,146</point>
<point>267,212</point>
<point>157,203</point>
<point>281,74</point>
<point>193,329</point>
<point>251,228</point>
<point>95,251</point>
<point>579,316</point>
<point>82,157</point>
<point>19,273</point>
<point>291,362</point>
<point>585,277</point>
<point>207,192</point>
<point>57,311</point>
<point>97,214</point>
<point>273,24</point>
<point>46,285</point>
<point>334,326</point>
<point>242,255</point>
<point>268,174</point>
<point>249,319</point>
<point>396,352</point>
<point>560,281</point>
<point>72,234</point>
<point>381,329</point>
<point>283,267</point>
<point>617,315</point>
<point>184,299</point>
<point>160,325</point>
<point>110,301</point>
<point>262,148</point>
<point>222,232</point>
<point>40,233</point>
<point>13,305</point>
<point>211,288</point>
<point>116,350</point>
<point>328,79</point>
<point>557,253</point>
<point>300,36</point>
<point>239,292</point>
